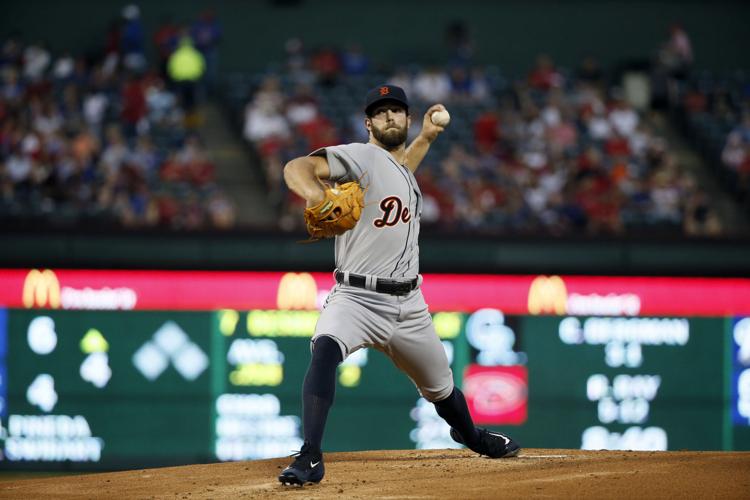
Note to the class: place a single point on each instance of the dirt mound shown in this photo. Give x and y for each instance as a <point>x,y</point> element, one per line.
<point>425,474</point>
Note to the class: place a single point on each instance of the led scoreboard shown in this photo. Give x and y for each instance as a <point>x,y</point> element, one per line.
<point>111,369</point>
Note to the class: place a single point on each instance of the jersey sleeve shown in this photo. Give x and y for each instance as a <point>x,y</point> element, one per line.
<point>347,162</point>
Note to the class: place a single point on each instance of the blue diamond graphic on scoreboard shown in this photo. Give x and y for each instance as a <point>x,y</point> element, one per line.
<point>190,361</point>
<point>150,360</point>
<point>170,343</point>
<point>170,338</point>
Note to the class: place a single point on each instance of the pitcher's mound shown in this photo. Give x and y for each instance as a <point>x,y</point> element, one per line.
<point>425,474</point>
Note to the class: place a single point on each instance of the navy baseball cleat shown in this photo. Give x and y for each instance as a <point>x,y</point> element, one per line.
<point>491,444</point>
<point>307,468</point>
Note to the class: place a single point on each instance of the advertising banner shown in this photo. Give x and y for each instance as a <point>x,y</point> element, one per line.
<point>241,290</point>
<point>110,369</point>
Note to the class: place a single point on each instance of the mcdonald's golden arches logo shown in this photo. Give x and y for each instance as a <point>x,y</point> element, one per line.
<point>297,291</point>
<point>548,295</point>
<point>41,289</point>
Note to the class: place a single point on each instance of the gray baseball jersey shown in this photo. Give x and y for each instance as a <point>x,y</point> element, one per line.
<point>383,244</point>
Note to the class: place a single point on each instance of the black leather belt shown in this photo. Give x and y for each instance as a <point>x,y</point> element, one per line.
<point>392,287</point>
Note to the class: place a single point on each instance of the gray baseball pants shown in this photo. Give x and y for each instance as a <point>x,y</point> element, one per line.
<point>399,326</point>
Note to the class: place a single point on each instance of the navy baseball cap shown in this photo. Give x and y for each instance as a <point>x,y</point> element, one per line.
<point>385,93</point>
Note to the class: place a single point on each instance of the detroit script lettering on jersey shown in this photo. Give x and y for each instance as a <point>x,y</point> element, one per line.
<point>385,241</point>
<point>393,212</point>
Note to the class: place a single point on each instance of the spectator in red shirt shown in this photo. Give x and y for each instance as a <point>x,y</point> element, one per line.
<point>544,76</point>
<point>695,101</point>
<point>487,131</point>
<point>165,40</point>
<point>133,105</point>
<point>319,133</point>
<point>327,65</point>
<point>617,146</point>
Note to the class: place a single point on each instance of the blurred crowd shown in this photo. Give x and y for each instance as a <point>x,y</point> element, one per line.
<point>111,137</point>
<point>105,137</point>
<point>555,151</point>
<point>716,113</point>
<point>564,153</point>
<point>736,153</point>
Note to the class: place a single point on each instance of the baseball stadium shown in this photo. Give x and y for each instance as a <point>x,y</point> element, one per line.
<point>343,249</point>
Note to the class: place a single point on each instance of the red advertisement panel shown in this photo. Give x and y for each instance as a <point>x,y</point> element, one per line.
<point>212,290</point>
<point>497,395</point>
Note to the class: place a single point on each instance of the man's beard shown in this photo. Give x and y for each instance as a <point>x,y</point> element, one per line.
<point>391,138</point>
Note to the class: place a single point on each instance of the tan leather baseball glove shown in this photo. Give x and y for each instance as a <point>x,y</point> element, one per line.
<point>337,213</point>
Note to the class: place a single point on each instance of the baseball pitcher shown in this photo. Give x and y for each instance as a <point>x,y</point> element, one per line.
<point>373,211</point>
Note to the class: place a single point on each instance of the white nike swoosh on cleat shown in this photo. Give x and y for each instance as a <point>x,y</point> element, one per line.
<point>314,464</point>
<point>507,441</point>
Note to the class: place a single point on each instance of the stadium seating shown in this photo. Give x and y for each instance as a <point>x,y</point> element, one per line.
<point>715,113</point>
<point>87,142</point>
<point>568,155</point>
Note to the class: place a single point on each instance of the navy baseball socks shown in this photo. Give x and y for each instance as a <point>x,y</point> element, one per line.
<point>318,392</point>
<point>454,410</point>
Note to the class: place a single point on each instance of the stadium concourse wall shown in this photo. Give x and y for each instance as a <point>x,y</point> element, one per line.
<point>273,251</point>
<point>509,33</point>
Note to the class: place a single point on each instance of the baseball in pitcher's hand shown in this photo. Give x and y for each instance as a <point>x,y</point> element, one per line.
<point>429,130</point>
